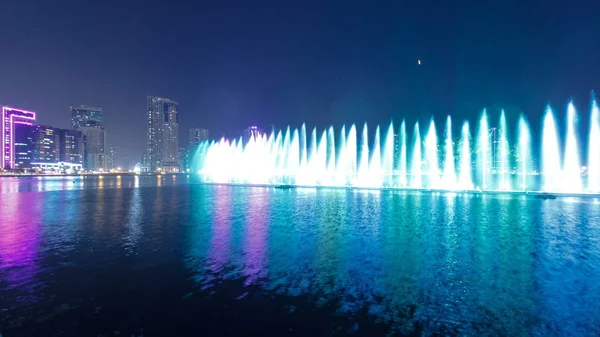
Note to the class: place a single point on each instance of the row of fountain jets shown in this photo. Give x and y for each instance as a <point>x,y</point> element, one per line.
<point>485,161</point>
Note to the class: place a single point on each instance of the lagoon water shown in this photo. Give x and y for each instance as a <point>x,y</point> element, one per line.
<point>158,256</point>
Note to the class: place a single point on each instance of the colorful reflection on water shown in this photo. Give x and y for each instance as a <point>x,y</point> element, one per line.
<point>441,263</point>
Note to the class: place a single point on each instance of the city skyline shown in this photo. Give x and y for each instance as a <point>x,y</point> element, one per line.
<point>27,144</point>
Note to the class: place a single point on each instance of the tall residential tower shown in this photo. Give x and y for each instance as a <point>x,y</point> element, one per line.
<point>162,152</point>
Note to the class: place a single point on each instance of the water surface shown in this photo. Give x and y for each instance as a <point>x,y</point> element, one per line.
<point>167,256</point>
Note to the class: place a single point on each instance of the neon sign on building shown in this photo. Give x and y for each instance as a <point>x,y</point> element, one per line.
<point>11,119</point>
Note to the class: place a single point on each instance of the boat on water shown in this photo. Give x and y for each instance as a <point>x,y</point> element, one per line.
<point>546,196</point>
<point>284,187</point>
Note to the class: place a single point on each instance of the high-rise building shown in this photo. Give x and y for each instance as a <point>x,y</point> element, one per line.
<point>145,163</point>
<point>162,134</point>
<point>81,115</point>
<point>94,144</point>
<point>46,144</point>
<point>184,156</point>
<point>23,146</point>
<point>71,146</point>
<point>111,158</point>
<point>12,121</point>
<point>197,136</point>
<point>90,122</point>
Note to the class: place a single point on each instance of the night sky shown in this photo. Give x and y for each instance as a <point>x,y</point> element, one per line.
<point>230,64</point>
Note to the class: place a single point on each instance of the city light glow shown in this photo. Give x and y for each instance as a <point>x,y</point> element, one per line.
<point>10,117</point>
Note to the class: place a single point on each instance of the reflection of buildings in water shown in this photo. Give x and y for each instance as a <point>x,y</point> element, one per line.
<point>257,224</point>
<point>117,207</point>
<point>158,206</point>
<point>135,215</point>
<point>19,242</point>
<point>9,185</point>
<point>98,218</point>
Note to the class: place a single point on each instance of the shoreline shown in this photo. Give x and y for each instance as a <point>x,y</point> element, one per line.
<point>532,193</point>
<point>86,175</point>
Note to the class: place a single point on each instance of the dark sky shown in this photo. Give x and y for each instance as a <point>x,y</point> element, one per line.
<point>230,64</point>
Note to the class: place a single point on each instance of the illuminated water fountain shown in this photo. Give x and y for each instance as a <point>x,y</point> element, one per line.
<point>393,157</point>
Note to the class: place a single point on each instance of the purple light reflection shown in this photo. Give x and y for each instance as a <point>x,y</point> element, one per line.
<point>255,246</point>
<point>221,230</point>
<point>20,237</point>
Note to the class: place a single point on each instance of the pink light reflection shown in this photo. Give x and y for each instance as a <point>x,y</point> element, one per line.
<point>20,239</point>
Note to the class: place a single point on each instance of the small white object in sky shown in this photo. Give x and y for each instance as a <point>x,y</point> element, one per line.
<point>419,62</point>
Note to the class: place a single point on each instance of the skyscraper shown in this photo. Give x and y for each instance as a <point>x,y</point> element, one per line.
<point>162,134</point>
<point>197,136</point>
<point>46,144</point>
<point>12,120</point>
<point>90,122</point>
<point>23,146</point>
<point>111,158</point>
<point>71,146</point>
<point>82,114</point>
<point>94,144</point>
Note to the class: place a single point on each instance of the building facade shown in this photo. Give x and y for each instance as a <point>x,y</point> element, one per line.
<point>162,135</point>
<point>94,144</point>
<point>80,116</point>
<point>12,121</point>
<point>23,147</point>
<point>46,144</point>
<point>197,136</point>
<point>71,146</point>
<point>144,163</point>
<point>112,158</point>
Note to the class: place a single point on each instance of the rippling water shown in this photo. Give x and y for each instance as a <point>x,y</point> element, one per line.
<point>166,256</point>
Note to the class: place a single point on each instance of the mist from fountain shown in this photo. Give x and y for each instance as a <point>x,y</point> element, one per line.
<point>594,150</point>
<point>389,159</point>
<point>571,168</point>
<point>551,168</point>
<point>524,152</point>
<point>503,149</point>
<point>431,157</point>
<point>417,160</point>
<point>465,181</point>
<point>483,151</point>
<point>402,166</point>
<point>449,175</point>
